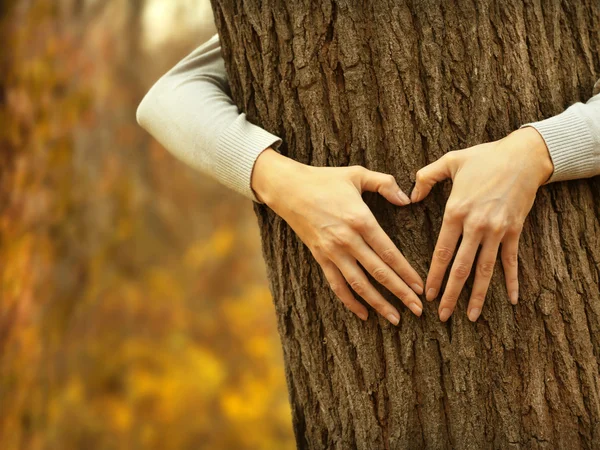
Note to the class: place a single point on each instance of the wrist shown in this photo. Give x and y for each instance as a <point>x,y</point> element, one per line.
<point>271,170</point>
<point>539,156</point>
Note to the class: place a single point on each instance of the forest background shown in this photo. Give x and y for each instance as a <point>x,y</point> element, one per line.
<point>134,309</point>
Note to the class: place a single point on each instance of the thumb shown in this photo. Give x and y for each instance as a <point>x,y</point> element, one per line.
<point>385,184</point>
<point>429,175</point>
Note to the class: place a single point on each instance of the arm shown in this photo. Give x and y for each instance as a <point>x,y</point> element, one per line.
<point>190,112</point>
<point>573,140</point>
<point>508,174</point>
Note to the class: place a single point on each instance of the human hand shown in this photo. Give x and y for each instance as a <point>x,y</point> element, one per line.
<point>323,205</point>
<point>494,186</point>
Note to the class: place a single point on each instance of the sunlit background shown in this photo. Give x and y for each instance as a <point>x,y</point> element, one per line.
<point>134,310</point>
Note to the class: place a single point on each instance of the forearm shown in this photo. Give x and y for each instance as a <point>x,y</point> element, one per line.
<point>190,112</point>
<point>573,140</point>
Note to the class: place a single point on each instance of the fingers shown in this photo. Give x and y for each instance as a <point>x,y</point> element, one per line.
<point>360,284</point>
<point>387,277</point>
<point>510,263</point>
<point>442,255</point>
<point>374,235</point>
<point>340,289</point>
<point>383,183</point>
<point>461,268</point>
<point>383,246</point>
<point>429,175</point>
<point>344,245</point>
<point>483,274</point>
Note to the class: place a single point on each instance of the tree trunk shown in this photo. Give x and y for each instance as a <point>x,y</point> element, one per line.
<point>393,86</point>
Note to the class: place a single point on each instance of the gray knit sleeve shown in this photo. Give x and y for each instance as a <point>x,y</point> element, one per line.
<point>189,111</point>
<point>573,140</point>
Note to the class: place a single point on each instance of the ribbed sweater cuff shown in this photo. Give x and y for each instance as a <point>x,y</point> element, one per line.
<point>237,150</point>
<point>570,144</point>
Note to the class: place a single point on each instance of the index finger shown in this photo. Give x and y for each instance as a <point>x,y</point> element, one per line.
<point>385,248</point>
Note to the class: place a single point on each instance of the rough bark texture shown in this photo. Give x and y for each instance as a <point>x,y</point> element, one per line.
<point>393,86</point>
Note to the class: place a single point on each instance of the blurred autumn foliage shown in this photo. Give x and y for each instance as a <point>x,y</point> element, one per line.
<point>134,312</point>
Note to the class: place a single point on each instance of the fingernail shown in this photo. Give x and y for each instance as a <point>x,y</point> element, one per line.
<point>417,288</point>
<point>431,293</point>
<point>403,198</point>
<point>416,309</point>
<point>474,314</point>
<point>395,320</point>
<point>445,314</point>
<point>363,316</point>
<point>414,195</point>
<point>514,297</point>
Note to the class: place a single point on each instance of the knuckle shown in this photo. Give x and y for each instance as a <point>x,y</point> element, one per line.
<point>513,280</point>
<point>402,293</point>
<point>359,221</point>
<point>477,224</point>
<point>357,286</point>
<point>318,249</point>
<point>420,176</point>
<point>381,274</point>
<point>486,268</point>
<point>495,227</point>
<point>461,271</point>
<point>326,247</point>
<point>478,227</point>
<point>454,212</point>
<point>356,169</point>
<point>510,260</point>
<point>341,238</point>
<point>388,256</point>
<point>449,301</point>
<point>477,300</point>
<point>451,215</point>
<point>443,254</point>
<point>390,180</point>
<point>450,157</point>
<point>355,173</point>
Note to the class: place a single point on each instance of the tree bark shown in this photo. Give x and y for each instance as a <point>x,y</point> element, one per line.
<point>393,86</point>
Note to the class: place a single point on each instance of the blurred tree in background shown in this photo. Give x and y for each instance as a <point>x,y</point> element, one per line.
<point>134,312</point>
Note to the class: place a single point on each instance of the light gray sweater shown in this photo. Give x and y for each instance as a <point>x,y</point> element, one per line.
<point>190,112</point>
